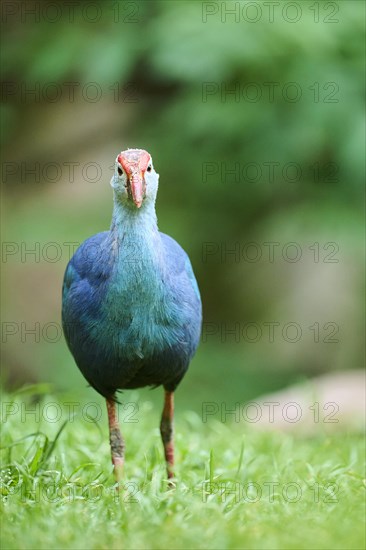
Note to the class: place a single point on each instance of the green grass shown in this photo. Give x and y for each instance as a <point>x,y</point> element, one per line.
<point>236,487</point>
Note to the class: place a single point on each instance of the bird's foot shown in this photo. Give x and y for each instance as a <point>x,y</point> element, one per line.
<point>118,467</point>
<point>171,480</point>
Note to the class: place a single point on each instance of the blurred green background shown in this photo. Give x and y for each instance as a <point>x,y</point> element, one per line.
<point>206,92</point>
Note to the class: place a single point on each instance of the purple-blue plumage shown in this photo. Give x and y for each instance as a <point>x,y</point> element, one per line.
<point>131,305</point>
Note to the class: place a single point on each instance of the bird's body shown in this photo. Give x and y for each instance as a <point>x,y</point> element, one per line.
<point>132,311</point>
<point>131,306</point>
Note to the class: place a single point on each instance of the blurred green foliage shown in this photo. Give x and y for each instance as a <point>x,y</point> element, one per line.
<point>174,69</point>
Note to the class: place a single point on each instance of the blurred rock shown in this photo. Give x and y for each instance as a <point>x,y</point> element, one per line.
<point>334,401</point>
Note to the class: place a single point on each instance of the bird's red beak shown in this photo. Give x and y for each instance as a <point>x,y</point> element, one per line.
<point>137,188</point>
<point>134,162</point>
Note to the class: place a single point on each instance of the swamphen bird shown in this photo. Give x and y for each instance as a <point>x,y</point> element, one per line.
<point>131,307</point>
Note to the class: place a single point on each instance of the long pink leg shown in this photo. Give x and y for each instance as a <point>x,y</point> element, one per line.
<point>116,441</point>
<point>166,430</point>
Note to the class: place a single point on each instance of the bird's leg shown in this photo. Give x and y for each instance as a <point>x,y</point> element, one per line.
<point>166,430</point>
<point>116,441</point>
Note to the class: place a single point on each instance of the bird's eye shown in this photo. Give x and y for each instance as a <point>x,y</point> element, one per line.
<point>149,168</point>
<point>119,170</point>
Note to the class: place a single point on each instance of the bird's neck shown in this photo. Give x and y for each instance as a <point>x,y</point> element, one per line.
<point>133,222</point>
<point>136,242</point>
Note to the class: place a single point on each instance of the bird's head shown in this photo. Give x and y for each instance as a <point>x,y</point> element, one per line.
<point>135,180</point>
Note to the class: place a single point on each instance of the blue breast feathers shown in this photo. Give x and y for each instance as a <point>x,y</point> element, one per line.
<point>131,311</point>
